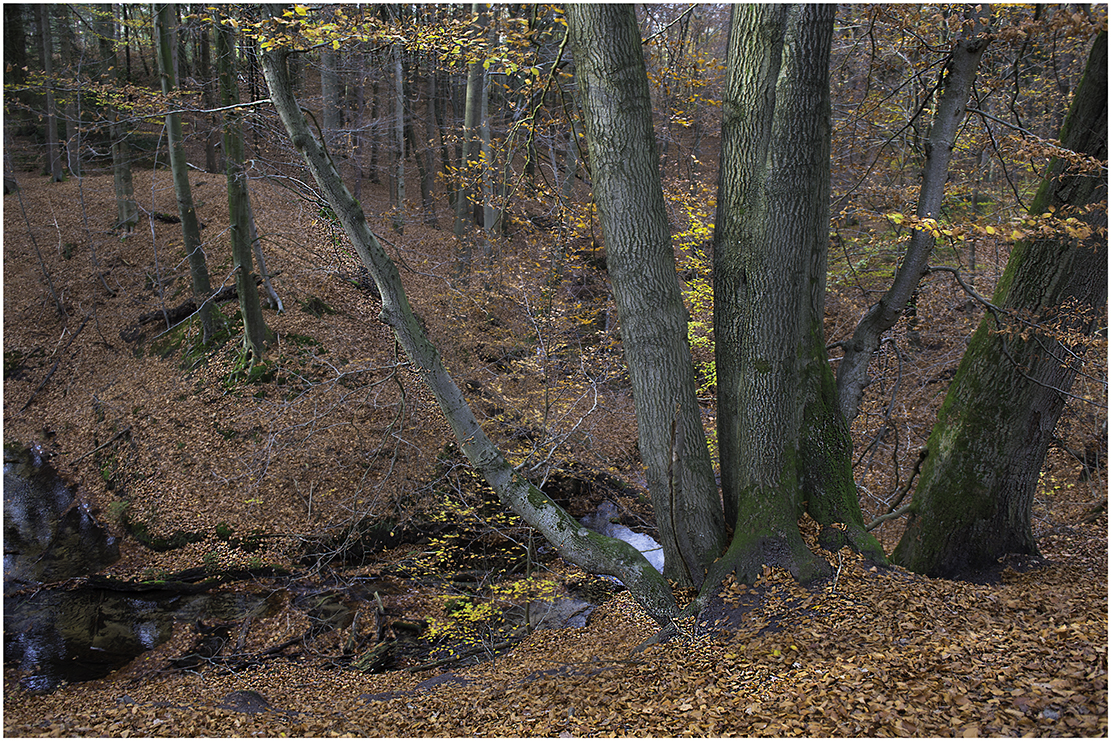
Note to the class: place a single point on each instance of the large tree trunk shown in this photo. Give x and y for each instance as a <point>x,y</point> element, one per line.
<point>613,85</point>
<point>975,493</point>
<point>476,76</point>
<point>165,19</point>
<point>574,542</point>
<point>256,335</point>
<point>955,85</point>
<point>784,446</point>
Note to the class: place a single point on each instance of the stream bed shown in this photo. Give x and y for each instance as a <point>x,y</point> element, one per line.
<point>63,623</point>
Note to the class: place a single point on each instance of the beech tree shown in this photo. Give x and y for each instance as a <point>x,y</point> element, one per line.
<point>953,87</point>
<point>973,503</point>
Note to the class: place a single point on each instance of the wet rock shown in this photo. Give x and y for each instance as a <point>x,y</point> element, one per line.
<point>244,701</point>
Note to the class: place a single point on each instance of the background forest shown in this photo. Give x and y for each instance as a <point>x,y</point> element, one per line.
<point>192,336</point>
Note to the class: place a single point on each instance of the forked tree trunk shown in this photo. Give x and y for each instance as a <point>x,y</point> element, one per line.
<point>975,494</point>
<point>575,543</point>
<point>613,85</point>
<point>785,448</point>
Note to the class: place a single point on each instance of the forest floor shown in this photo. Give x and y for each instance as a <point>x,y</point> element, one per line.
<point>331,433</point>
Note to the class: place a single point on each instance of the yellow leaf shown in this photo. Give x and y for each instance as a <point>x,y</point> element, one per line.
<point>990,230</point>
<point>301,9</point>
<point>335,43</point>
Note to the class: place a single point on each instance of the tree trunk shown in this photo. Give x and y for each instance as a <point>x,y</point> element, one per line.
<point>955,85</point>
<point>575,543</point>
<point>127,212</point>
<point>613,85</point>
<point>256,335</point>
<point>471,145</point>
<point>331,94</point>
<point>208,99</point>
<point>784,447</point>
<point>975,493</point>
<point>191,234</point>
<point>53,153</point>
<point>397,137</point>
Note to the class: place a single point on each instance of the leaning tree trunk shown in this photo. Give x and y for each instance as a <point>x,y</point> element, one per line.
<point>976,489</point>
<point>954,87</point>
<point>165,16</point>
<point>256,335</point>
<point>785,448</point>
<point>575,543</point>
<point>625,169</point>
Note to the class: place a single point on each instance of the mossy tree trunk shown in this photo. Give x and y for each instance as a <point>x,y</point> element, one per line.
<point>974,497</point>
<point>256,335</point>
<point>624,165</point>
<point>576,544</point>
<point>785,448</point>
<point>165,22</point>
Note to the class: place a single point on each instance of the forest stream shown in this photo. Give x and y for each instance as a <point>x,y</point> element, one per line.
<point>65,623</point>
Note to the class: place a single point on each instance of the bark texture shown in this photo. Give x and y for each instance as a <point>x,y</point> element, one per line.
<point>784,446</point>
<point>624,164</point>
<point>974,497</point>
<point>575,543</point>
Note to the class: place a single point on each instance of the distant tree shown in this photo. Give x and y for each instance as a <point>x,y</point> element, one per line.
<point>53,151</point>
<point>127,212</point>
<point>256,335</point>
<point>974,498</point>
<point>165,24</point>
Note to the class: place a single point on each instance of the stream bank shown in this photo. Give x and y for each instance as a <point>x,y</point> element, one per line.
<point>446,603</point>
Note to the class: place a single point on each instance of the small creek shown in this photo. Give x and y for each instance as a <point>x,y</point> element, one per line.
<point>59,634</point>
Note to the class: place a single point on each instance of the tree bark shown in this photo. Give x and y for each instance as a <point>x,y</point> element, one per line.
<point>955,86</point>
<point>191,233</point>
<point>975,493</point>
<point>613,85</point>
<point>784,447</point>
<point>256,335</point>
<point>575,543</point>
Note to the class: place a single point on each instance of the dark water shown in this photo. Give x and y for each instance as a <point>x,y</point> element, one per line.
<point>58,635</point>
<point>49,534</point>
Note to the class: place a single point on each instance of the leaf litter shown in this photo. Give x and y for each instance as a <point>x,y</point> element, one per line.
<point>873,652</point>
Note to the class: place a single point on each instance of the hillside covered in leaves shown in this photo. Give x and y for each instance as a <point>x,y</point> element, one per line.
<point>316,497</point>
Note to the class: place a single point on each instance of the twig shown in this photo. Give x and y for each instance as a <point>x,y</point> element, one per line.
<point>113,439</point>
<point>56,363</point>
